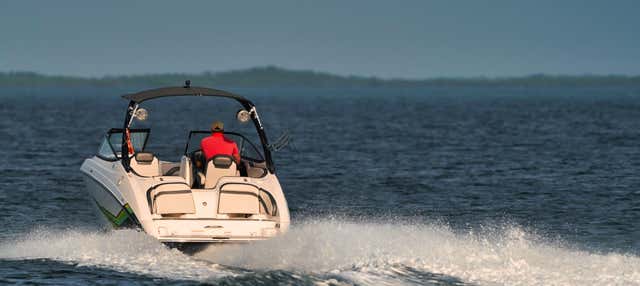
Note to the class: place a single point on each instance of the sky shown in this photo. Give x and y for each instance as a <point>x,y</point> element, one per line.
<point>389,39</point>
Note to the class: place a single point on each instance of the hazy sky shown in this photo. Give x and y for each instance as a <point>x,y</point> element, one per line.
<point>412,39</point>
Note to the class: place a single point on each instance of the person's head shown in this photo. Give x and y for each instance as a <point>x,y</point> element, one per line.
<point>217,126</point>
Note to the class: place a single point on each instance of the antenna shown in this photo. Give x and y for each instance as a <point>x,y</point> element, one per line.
<point>187,84</point>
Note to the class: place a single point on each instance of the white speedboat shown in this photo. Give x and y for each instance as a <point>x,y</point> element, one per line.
<point>191,200</point>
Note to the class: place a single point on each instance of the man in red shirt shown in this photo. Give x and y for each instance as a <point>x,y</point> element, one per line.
<point>218,144</point>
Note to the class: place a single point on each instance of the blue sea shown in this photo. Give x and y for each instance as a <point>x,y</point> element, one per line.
<point>386,186</point>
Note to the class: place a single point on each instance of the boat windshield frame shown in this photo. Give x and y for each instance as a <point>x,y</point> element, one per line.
<point>135,99</point>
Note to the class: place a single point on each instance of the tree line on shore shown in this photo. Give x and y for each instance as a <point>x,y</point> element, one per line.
<point>271,76</point>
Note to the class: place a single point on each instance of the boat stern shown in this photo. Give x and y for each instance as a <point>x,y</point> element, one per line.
<point>238,209</point>
<point>214,230</point>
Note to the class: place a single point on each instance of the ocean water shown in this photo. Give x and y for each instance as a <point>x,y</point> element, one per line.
<point>430,186</point>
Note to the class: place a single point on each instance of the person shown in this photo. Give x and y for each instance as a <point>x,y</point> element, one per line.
<point>218,144</point>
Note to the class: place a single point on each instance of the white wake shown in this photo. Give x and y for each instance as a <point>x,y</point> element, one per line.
<point>359,252</point>
<point>507,257</point>
<point>122,250</point>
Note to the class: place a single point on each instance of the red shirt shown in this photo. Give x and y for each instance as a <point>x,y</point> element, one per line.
<point>218,144</point>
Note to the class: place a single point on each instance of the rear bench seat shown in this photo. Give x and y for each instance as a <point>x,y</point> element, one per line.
<point>172,199</point>
<point>236,199</point>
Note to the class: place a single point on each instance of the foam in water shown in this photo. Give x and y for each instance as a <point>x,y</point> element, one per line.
<point>357,252</point>
<point>510,256</point>
<point>121,250</point>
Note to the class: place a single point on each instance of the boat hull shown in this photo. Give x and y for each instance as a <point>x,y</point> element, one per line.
<point>126,200</point>
<point>116,213</point>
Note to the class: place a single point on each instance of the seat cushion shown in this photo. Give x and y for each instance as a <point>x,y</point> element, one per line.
<point>239,199</point>
<point>172,199</point>
<point>146,164</point>
<point>214,174</point>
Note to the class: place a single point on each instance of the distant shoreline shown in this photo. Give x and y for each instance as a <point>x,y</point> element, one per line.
<point>278,77</point>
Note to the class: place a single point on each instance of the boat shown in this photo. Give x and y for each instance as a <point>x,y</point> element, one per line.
<point>191,200</point>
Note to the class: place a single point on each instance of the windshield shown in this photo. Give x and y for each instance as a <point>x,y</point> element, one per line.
<point>172,118</point>
<point>111,145</point>
<point>247,149</point>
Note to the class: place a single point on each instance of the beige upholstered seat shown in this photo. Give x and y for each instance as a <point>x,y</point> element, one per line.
<point>146,164</point>
<point>239,199</point>
<point>218,167</point>
<point>172,199</point>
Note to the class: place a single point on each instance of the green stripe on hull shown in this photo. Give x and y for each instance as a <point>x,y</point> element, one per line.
<point>120,218</point>
<point>128,208</point>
